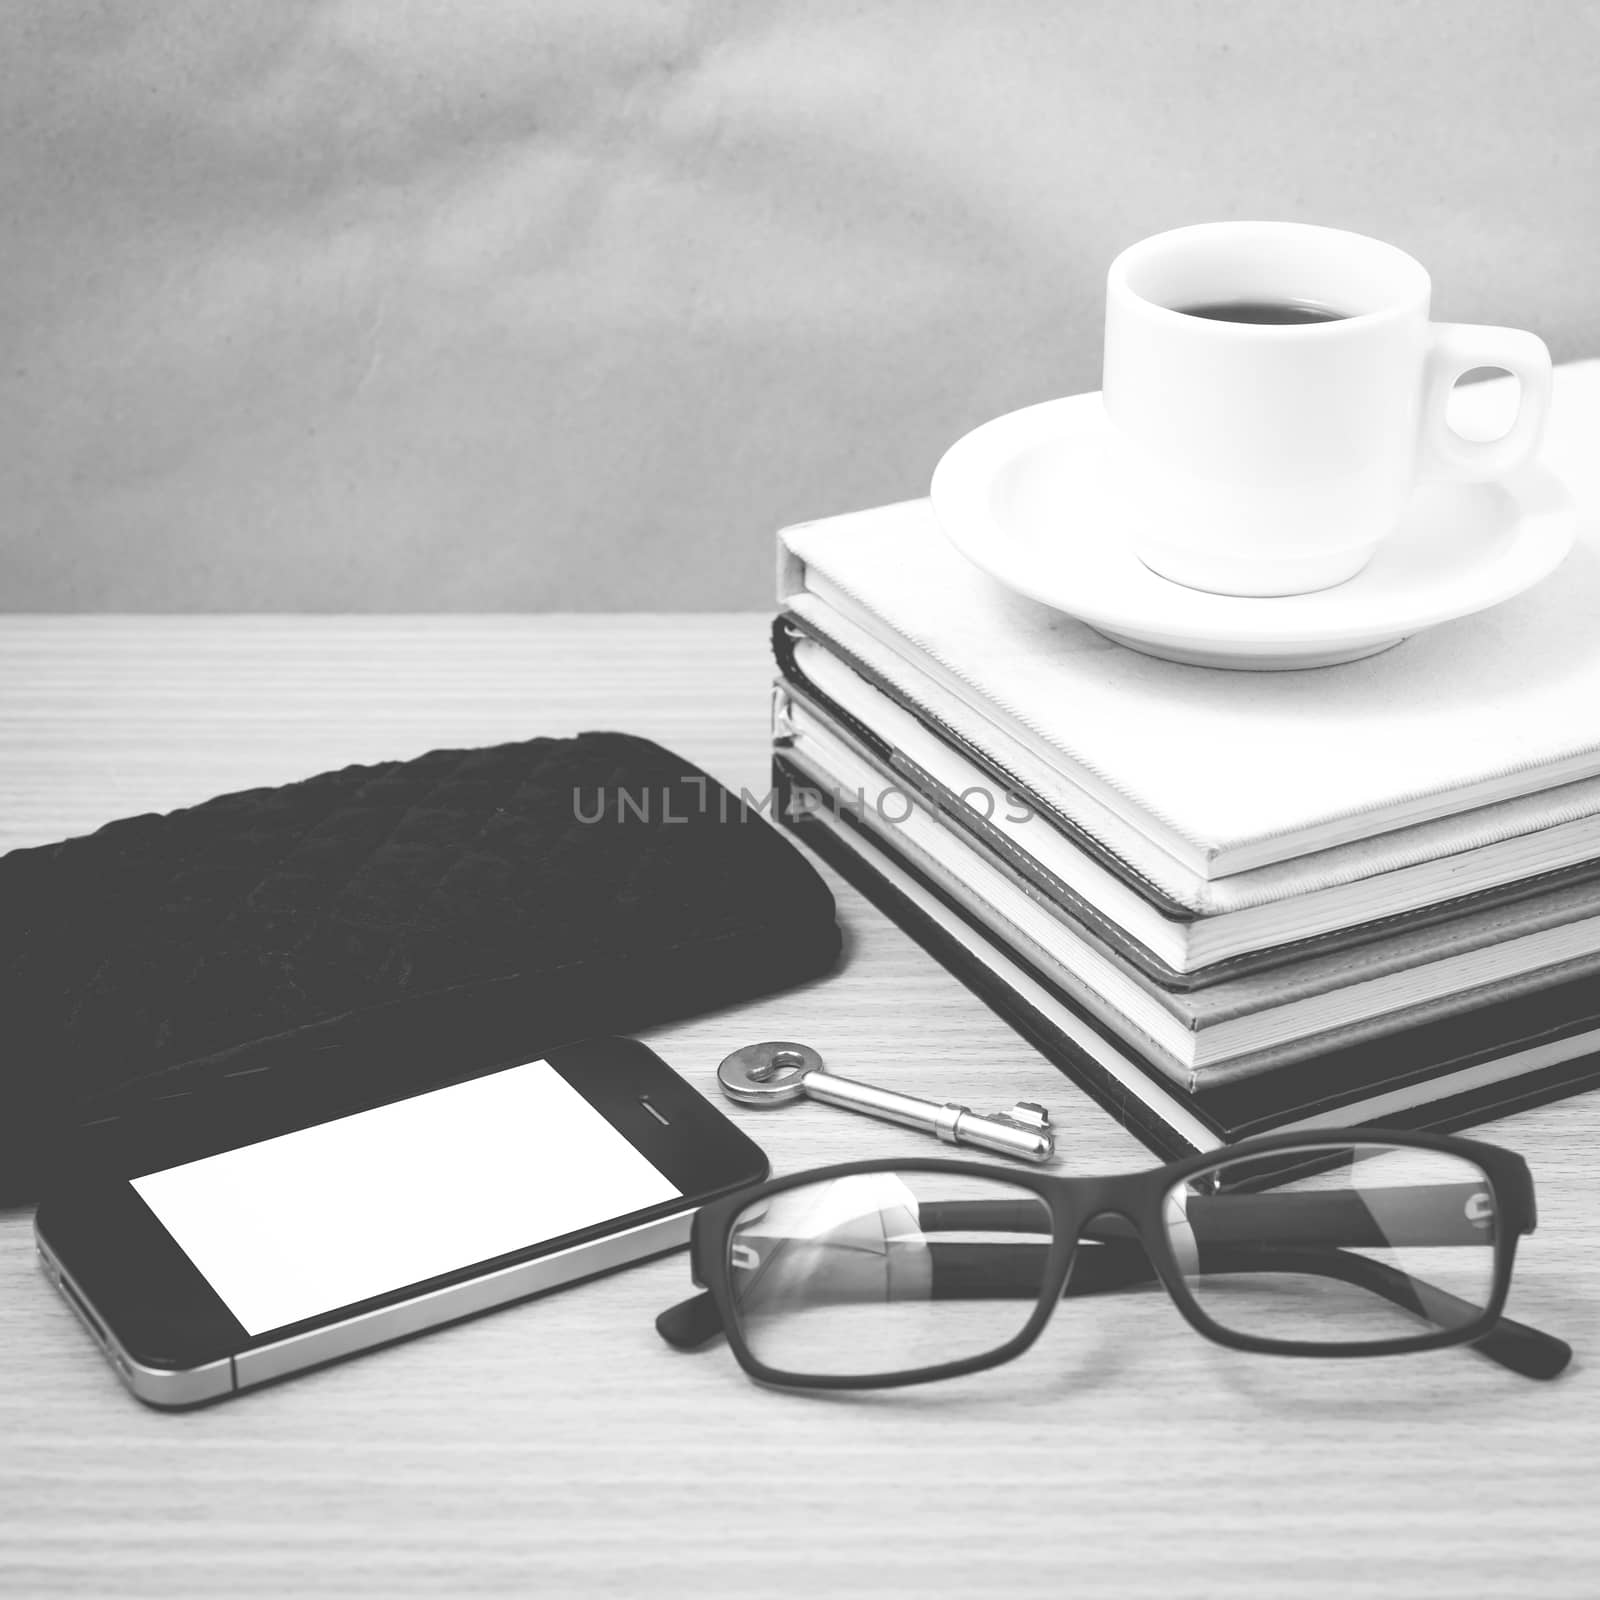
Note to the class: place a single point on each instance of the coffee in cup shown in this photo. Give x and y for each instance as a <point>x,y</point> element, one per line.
<point>1264,313</point>
<point>1276,392</point>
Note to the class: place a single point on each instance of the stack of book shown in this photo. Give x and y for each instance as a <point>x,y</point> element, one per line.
<point>1223,902</point>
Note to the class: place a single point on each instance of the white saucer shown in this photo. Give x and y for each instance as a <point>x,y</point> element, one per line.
<point>1029,499</point>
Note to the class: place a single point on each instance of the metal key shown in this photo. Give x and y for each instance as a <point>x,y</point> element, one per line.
<point>774,1073</point>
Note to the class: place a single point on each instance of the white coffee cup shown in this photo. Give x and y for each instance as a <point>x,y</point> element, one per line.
<point>1258,459</point>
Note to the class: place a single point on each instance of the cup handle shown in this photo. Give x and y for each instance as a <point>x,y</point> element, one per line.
<point>1458,347</point>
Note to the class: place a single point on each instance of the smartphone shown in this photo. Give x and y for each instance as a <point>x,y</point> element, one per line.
<point>244,1262</point>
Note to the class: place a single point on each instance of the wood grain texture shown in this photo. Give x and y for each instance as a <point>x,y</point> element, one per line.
<point>559,1447</point>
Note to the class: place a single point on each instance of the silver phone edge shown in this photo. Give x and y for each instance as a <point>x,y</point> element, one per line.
<point>173,1388</point>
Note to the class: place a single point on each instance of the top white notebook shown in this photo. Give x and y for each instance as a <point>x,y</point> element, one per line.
<point>1228,771</point>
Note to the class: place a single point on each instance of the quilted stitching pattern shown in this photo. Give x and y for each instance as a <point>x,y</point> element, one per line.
<point>160,940</point>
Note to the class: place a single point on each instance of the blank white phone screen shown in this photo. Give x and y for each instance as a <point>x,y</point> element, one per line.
<point>311,1221</point>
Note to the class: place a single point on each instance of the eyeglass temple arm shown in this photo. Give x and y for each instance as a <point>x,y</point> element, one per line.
<point>962,1272</point>
<point>1006,1271</point>
<point>1432,1214</point>
<point>959,1271</point>
<point>1414,1214</point>
<point>1010,1271</point>
<point>691,1324</point>
<point>1513,1344</point>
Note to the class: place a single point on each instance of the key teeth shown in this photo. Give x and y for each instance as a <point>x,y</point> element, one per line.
<point>1027,1136</point>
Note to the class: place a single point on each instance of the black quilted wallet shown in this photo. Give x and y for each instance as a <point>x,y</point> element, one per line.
<point>364,933</point>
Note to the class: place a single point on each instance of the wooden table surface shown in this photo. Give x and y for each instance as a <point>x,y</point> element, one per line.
<point>559,1447</point>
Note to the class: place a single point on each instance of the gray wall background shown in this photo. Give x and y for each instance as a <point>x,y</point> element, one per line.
<point>568,304</point>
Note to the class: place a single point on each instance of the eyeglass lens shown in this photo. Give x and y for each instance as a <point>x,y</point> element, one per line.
<point>1370,1243</point>
<point>877,1273</point>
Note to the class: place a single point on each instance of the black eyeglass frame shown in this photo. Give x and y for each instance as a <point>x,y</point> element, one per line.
<point>1137,1198</point>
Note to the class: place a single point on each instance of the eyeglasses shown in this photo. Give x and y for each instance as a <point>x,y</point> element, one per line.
<point>880,1273</point>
